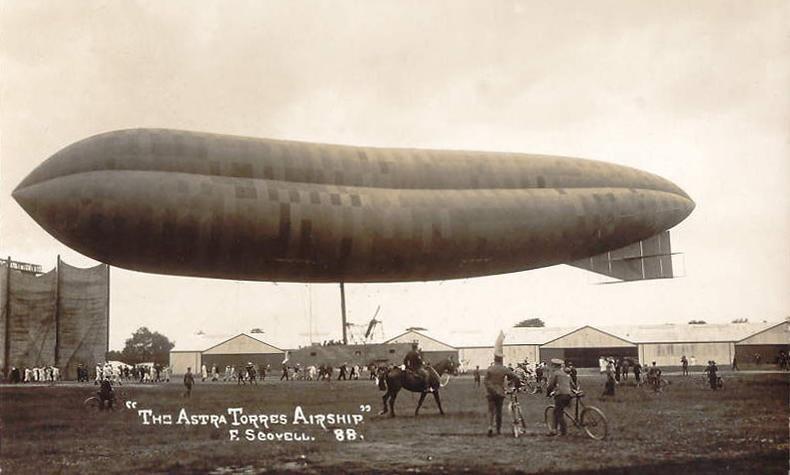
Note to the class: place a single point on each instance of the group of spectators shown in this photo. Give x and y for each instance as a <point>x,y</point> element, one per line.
<point>118,374</point>
<point>43,374</point>
<point>325,372</point>
<point>248,373</point>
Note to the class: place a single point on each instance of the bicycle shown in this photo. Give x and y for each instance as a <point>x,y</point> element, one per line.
<point>519,424</point>
<point>588,418</point>
<point>94,403</point>
<point>705,382</point>
<point>657,383</point>
<point>534,386</point>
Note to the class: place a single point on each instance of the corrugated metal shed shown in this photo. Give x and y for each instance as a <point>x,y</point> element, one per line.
<point>680,333</point>
<point>202,342</point>
<point>535,335</point>
<point>428,342</point>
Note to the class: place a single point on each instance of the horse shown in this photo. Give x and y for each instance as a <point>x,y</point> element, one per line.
<point>392,380</point>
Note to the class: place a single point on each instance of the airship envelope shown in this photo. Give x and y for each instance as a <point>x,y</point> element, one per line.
<point>207,205</point>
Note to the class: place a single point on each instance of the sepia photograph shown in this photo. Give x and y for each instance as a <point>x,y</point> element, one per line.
<point>347,236</point>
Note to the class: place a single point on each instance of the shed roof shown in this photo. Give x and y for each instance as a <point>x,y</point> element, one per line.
<point>661,333</point>
<point>535,335</point>
<point>202,342</point>
<point>424,334</point>
<point>679,333</point>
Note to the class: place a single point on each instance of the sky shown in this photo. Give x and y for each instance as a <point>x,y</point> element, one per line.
<point>697,92</point>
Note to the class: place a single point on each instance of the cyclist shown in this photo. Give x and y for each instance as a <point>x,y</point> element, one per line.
<point>654,376</point>
<point>106,395</point>
<point>560,385</point>
<point>522,373</point>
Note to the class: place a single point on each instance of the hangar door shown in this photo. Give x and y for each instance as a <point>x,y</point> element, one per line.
<point>585,345</point>
<point>587,357</point>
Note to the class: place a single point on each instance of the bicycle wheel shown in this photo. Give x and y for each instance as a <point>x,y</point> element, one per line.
<point>548,417</point>
<point>594,423</point>
<point>92,403</point>
<point>519,425</point>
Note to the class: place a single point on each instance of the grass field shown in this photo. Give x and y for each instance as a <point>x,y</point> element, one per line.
<point>742,429</point>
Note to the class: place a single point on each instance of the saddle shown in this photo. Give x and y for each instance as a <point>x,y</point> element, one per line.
<point>420,378</point>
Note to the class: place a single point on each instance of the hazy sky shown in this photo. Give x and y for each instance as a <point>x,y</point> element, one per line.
<point>697,92</point>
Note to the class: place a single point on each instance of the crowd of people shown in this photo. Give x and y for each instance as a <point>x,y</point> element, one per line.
<point>42,374</point>
<point>326,372</point>
<point>124,373</point>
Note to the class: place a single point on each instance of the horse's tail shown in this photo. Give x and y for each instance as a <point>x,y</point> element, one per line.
<point>442,378</point>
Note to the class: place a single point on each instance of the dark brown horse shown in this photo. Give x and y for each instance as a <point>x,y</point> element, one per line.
<point>393,379</point>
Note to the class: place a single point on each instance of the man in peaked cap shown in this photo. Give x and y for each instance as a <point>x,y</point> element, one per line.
<point>561,386</point>
<point>495,386</point>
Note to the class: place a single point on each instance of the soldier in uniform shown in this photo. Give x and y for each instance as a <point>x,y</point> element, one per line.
<point>560,385</point>
<point>712,371</point>
<point>189,380</point>
<point>495,386</point>
<point>414,363</point>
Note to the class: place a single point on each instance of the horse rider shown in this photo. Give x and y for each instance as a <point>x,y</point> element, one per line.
<point>414,363</point>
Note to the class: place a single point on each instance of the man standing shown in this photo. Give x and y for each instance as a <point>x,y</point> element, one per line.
<point>284,374</point>
<point>189,380</point>
<point>477,376</point>
<point>685,364</point>
<point>610,380</point>
<point>712,371</point>
<point>495,386</point>
<point>342,374</point>
<point>560,385</point>
<point>573,374</point>
<point>626,365</point>
<point>638,373</point>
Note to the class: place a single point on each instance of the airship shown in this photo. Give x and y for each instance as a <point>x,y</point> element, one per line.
<point>219,206</point>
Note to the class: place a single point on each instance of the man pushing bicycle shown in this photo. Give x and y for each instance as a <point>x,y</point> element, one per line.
<point>561,386</point>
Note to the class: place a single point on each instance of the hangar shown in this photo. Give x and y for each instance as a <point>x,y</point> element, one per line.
<point>665,344</point>
<point>223,351</point>
<point>432,349</point>
<point>586,345</point>
<point>766,344</point>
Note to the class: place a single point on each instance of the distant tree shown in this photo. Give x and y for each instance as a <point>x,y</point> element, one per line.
<point>741,320</point>
<point>697,322</point>
<point>113,355</point>
<point>417,329</point>
<point>256,330</point>
<point>530,322</point>
<point>146,346</point>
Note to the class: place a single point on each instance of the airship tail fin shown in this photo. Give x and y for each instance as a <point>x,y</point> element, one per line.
<point>650,258</point>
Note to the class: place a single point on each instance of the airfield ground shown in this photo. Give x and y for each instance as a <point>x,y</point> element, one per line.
<point>742,429</point>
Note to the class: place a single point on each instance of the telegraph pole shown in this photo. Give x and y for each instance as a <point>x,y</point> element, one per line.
<point>343,311</point>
